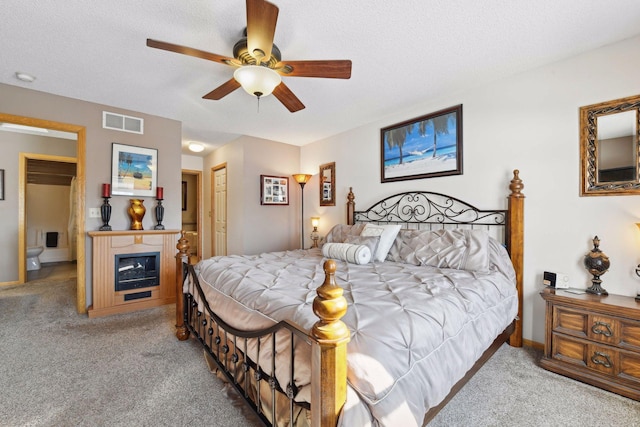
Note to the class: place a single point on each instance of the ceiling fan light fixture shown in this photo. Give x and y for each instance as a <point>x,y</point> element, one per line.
<point>257,80</point>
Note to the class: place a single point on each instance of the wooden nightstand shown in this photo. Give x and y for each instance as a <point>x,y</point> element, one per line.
<point>594,339</point>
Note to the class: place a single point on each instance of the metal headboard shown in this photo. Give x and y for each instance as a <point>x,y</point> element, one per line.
<point>429,210</point>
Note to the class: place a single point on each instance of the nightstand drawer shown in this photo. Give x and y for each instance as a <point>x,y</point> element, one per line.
<point>569,321</point>
<point>605,359</point>
<point>597,327</point>
<point>623,365</point>
<point>630,333</point>
<point>604,329</point>
<point>569,350</point>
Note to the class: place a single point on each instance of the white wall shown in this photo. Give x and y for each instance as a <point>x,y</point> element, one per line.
<point>194,163</point>
<point>528,122</point>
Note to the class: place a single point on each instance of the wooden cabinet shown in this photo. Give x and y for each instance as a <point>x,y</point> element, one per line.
<point>109,247</point>
<point>594,339</point>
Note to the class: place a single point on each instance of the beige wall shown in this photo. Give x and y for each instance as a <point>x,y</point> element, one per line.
<point>160,133</point>
<point>529,122</point>
<point>11,145</point>
<point>253,228</point>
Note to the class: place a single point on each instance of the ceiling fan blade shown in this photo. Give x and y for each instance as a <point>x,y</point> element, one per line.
<point>192,52</point>
<point>262,17</point>
<point>288,99</point>
<point>332,69</point>
<point>223,90</point>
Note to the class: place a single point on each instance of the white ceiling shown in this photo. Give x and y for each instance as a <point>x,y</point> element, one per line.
<point>404,53</point>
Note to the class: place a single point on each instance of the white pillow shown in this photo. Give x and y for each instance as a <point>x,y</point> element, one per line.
<point>355,254</point>
<point>387,233</point>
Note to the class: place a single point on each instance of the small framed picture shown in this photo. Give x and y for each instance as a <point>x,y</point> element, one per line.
<point>274,190</point>
<point>134,170</point>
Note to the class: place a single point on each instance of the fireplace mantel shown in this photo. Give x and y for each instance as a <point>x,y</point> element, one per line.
<point>108,244</point>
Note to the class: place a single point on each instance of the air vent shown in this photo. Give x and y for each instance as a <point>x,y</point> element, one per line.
<point>122,123</point>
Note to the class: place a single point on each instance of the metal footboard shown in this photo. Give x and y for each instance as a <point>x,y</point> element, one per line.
<point>248,358</point>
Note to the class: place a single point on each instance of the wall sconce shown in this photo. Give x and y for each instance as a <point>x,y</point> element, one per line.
<point>314,234</point>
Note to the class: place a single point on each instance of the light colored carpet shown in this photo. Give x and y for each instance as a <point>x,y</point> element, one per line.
<point>59,368</point>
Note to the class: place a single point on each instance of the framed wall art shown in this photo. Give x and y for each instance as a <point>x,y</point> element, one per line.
<point>424,147</point>
<point>328,184</point>
<point>134,170</point>
<point>1,184</point>
<point>274,190</point>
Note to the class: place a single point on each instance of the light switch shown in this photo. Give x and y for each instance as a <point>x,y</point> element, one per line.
<point>94,213</point>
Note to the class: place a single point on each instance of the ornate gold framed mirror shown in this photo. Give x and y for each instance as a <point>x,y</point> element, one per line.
<point>328,184</point>
<point>609,148</point>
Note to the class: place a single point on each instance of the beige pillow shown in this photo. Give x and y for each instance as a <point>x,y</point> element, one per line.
<point>387,233</point>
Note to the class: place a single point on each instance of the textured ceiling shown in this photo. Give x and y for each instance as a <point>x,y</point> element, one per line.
<point>403,53</point>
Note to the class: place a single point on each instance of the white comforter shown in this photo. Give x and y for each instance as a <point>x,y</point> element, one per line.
<point>415,330</point>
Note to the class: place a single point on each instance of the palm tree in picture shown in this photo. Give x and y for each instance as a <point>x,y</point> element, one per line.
<point>127,159</point>
<point>440,125</point>
<point>397,137</point>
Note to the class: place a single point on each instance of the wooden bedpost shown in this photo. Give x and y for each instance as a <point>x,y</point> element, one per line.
<point>181,257</point>
<point>329,352</point>
<point>515,245</point>
<point>351,207</point>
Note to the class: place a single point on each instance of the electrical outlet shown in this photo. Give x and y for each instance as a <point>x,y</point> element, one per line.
<point>94,213</point>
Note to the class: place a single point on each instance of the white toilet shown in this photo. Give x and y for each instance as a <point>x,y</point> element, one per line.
<point>33,262</point>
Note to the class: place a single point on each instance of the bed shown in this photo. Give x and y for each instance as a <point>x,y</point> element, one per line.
<point>330,337</point>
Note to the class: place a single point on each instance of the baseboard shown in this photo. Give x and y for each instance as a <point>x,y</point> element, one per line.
<point>534,344</point>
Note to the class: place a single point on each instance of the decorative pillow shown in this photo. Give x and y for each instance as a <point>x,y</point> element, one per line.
<point>459,249</point>
<point>387,235</point>
<point>402,250</point>
<point>369,241</point>
<point>339,232</point>
<point>355,254</point>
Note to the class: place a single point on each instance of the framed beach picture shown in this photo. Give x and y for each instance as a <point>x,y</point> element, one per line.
<point>274,190</point>
<point>424,147</point>
<point>134,170</point>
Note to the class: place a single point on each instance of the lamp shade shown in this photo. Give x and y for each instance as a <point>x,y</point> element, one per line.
<point>301,178</point>
<point>257,80</point>
<point>315,221</point>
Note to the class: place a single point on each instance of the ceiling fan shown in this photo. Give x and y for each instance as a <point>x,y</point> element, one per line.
<point>258,61</point>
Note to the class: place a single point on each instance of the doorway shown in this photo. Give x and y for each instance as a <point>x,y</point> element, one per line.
<point>80,132</point>
<point>49,196</point>
<point>192,211</point>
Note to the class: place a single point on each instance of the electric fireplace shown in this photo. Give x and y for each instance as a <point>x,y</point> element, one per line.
<point>135,271</point>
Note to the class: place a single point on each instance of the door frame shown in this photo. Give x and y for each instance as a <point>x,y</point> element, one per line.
<point>80,131</point>
<point>198,175</point>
